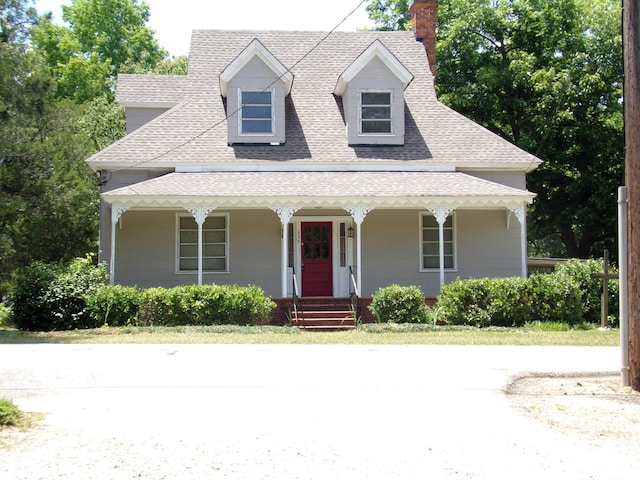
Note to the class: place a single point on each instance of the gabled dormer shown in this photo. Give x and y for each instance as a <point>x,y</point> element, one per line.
<point>255,85</point>
<point>372,91</point>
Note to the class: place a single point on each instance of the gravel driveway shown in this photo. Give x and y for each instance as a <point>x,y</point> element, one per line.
<point>293,412</point>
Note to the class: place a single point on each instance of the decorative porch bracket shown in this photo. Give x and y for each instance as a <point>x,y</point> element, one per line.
<point>200,215</point>
<point>285,214</point>
<point>358,214</point>
<point>521,214</point>
<point>441,214</point>
<point>116,213</point>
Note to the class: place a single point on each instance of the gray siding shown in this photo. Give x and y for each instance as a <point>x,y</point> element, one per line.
<point>255,76</point>
<point>375,76</point>
<point>146,249</point>
<point>137,117</point>
<point>391,249</point>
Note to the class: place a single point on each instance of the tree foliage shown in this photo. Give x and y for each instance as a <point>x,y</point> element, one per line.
<point>547,76</point>
<point>102,37</point>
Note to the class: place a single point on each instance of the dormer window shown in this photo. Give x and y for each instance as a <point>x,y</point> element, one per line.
<point>372,90</point>
<point>255,85</point>
<point>375,112</point>
<point>256,112</point>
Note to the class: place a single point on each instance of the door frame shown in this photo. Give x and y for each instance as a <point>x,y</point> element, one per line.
<point>340,274</point>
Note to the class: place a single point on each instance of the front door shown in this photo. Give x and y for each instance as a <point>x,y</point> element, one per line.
<point>317,261</point>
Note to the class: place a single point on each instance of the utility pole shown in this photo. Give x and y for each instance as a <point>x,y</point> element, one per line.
<point>631,49</point>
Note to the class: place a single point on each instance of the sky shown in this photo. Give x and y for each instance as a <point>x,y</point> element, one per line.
<point>173,20</point>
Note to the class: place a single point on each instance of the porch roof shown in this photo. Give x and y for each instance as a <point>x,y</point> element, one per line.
<point>305,189</point>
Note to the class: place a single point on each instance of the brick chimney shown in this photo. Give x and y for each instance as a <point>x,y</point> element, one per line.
<point>423,22</point>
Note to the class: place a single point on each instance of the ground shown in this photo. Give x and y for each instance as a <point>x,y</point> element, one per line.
<point>593,405</point>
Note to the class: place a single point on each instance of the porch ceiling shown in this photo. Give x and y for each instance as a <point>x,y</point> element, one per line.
<point>318,189</point>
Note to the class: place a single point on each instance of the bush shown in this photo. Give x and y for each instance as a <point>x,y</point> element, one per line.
<point>5,314</point>
<point>204,305</point>
<point>511,302</point>
<point>398,304</point>
<point>481,302</point>
<point>557,298</point>
<point>9,413</point>
<point>48,297</point>
<point>30,304</point>
<point>115,305</point>
<point>592,287</point>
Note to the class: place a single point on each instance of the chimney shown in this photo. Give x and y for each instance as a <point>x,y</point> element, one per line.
<point>423,22</point>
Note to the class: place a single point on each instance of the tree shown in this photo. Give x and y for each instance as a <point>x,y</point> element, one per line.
<point>390,14</point>
<point>102,37</point>
<point>547,76</point>
<point>48,195</point>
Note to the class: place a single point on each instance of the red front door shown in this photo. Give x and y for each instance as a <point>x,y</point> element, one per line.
<point>317,262</point>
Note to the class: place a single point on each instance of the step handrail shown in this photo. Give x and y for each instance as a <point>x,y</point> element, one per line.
<point>296,295</point>
<point>354,294</point>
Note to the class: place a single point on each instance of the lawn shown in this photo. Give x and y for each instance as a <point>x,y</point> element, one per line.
<point>367,335</point>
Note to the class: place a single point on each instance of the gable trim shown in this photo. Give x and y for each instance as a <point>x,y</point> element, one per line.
<point>255,49</point>
<point>376,49</point>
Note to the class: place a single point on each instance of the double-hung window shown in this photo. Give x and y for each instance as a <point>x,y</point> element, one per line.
<point>430,244</point>
<point>256,112</point>
<point>375,112</point>
<point>215,244</point>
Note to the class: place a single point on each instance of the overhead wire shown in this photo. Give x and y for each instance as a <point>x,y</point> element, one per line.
<point>229,115</point>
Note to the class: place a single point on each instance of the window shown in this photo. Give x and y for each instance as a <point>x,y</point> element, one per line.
<point>431,243</point>
<point>256,112</point>
<point>214,244</point>
<point>375,112</point>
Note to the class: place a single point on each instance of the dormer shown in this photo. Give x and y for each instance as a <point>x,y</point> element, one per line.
<point>372,91</point>
<point>255,85</point>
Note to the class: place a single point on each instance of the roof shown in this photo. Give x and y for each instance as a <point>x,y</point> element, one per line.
<point>326,189</point>
<point>195,132</point>
<point>151,90</point>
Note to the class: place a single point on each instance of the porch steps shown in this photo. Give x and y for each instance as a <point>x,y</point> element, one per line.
<point>324,314</point>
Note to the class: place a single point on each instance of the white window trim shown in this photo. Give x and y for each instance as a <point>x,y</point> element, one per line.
<point>226,243</point>
<point>391,108</point>
<point>452,215</point>
<point>273,112</point>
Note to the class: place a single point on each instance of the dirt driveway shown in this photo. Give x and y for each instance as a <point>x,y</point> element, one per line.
<point>299,412</point>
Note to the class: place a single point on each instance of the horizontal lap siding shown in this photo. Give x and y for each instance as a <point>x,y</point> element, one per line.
<point>391,249</point>
<point>146,251</point>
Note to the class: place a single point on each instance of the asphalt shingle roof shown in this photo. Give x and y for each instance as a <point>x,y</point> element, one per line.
<point>195,132</point>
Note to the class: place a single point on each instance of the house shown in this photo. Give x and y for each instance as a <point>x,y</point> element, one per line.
<point>324,157</point>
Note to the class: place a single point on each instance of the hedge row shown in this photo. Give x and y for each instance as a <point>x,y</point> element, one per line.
<point>47,297</point>
<point>184,305</point>
<point>568,295</point>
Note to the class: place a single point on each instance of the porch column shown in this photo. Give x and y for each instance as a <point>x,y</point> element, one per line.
<point>116,213</point>
<point>285,214</point>
<point>200,215</point>
<point>521,214</point>
<point>358,214</point>
<point>441,214</point>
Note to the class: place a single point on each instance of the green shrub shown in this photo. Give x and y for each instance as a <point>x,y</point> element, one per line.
<point>591,288</point>
<point>511,302</point>
<point>48,297</point>
<point>5,314</point>
<point>9,413</point>
<point>204,305</point>
<point>398,304</point>
<point>30,304</point>
<point>115,305</point>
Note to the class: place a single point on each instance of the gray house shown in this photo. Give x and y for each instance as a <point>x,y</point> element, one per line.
<point>324,157</point>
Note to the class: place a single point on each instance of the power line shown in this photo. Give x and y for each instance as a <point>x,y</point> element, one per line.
<point>227,116</point>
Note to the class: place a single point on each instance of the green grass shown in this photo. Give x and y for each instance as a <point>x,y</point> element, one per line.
<point>376,334</point>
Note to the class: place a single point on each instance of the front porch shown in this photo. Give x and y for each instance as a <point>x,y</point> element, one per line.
<point>324,313</point>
